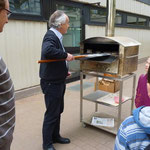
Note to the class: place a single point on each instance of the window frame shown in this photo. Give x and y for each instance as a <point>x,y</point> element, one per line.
<point>98,8</point>
<point>29,17</point>
<point>148,23</point>
<point>144,1</point>
<point>89,22</point>
<point>137,18</point>
<point>87,12</point>
<point>142,18</point>
<point>123,24</point>
<point>72,50</point>
<point>119,24</point>
<point>131,15</point>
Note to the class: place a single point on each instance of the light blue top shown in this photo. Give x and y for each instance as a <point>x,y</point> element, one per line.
<point>133,132</point>
<point>58,34</point>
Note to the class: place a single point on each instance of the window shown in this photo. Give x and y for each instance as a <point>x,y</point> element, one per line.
<point>131,20</point>
<point>118,18</point>
<point>142,21</point>
<point>136,20</point>
<point>73,36</point>
<point>98,15</point>
<point>25,6</point>
<point>149,23</point>
<point>145,1</point>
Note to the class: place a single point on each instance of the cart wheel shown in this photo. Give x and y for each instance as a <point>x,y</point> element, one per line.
<point>83,125</point>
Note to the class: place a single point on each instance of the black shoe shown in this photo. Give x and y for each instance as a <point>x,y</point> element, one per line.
<point>50,148</point>
<point>61,140</point>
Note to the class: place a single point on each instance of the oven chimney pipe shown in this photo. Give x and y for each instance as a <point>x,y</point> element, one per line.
<point>111,14</point>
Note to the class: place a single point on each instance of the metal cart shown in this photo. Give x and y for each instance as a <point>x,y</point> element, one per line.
<point>94,96</point>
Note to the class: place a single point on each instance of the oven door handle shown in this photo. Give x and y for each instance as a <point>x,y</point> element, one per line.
<point>132,56</point>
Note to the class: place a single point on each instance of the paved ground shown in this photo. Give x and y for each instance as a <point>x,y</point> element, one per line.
<point>29,118</point>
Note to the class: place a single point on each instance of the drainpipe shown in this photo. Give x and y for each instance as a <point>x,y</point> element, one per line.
<point>111,14</point>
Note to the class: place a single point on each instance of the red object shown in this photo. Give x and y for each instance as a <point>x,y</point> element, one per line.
<point>54,60</point>
<point>69,74</point>
<point>116,98</point>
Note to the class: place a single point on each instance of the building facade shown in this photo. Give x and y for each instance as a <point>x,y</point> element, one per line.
<point>22,37</point>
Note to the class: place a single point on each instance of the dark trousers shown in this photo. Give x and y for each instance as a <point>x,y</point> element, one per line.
<point>54,101</point>
<point>7,145</point>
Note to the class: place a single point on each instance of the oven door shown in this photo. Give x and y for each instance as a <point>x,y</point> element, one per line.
<point>107,64</point>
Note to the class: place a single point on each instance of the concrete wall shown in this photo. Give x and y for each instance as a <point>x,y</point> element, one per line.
<point>20,48</point>
<point>132,6</point>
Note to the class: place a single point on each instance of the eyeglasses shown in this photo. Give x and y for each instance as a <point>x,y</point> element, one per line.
<point>8,12</point>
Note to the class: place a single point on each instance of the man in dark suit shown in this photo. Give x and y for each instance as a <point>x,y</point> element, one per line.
<point>53,76</point>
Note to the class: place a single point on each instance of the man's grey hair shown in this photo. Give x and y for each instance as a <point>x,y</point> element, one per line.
<point>57,18</point>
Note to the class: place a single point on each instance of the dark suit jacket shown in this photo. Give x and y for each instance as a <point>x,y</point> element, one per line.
<point>54,72</point>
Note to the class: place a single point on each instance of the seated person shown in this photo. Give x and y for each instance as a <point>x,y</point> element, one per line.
<point>134,132</point>
<point>143,88</point>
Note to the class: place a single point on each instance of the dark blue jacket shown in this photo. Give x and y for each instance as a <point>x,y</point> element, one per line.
<point>53,72</point>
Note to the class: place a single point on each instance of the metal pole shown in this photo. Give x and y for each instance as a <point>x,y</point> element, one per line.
<point>133,92</point>
<point>111,14</point>
<point>120,103</point>
<point>81,96</point>
<point>96,105</point>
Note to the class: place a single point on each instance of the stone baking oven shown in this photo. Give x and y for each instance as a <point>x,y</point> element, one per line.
<point>122,58</point>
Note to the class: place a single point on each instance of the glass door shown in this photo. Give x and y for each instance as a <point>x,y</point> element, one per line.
<point>72,38</point>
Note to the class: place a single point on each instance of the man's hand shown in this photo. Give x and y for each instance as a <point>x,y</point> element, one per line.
<point>69,74</point>
<point>70,57</point>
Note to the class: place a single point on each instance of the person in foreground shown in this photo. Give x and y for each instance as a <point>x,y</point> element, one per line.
<point>7,104</point>
<point>134,132</point>
<point>53,76</point>
<point>143,88</point>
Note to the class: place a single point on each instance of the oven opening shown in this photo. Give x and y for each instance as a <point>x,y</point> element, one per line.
<point>104,59</point>
<point>101,48</point>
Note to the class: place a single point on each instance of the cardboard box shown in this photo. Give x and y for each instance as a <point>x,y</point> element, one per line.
<point>111,86</point>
